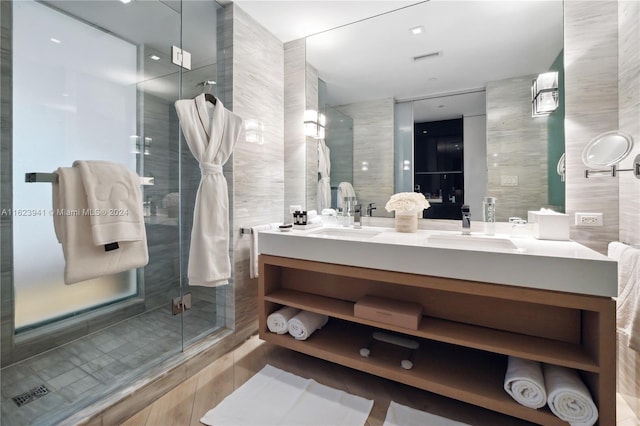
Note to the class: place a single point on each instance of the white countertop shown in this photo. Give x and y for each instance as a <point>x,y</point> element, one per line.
<point>552,265</point>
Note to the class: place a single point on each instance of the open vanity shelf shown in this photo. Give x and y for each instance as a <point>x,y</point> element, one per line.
<point>465,335</point>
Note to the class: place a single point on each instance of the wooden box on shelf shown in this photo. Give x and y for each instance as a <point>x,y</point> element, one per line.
<point>389,311</point>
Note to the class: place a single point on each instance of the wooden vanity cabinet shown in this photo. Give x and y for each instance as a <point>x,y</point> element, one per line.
<point>466,333</point>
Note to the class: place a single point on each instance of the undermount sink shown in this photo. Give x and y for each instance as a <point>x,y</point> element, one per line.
<point>350,233</point>
<point>473,242</point>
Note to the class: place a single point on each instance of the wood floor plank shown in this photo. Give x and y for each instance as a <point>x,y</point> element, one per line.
<point>140,419</point>
<point>175,407</point>
<point>214,384</point>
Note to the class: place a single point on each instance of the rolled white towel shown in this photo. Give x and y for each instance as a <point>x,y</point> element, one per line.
<point>524,381</point>
<point>305,323</point>
<point>311,214</point>
<point>568,397</point>
<point>314,220</point>
<point>278,322</point>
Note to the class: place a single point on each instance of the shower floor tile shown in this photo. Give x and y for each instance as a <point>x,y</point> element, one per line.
<point>85,370</point>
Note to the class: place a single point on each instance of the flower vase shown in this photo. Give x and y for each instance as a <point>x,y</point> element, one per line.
<point>407,221</point>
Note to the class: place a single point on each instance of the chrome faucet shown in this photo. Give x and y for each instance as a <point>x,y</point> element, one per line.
<point>466,220</point>
<point>370,208</point>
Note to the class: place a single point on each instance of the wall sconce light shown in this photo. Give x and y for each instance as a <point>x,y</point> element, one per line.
<point>544,94</point>
<point>314,124</point>
<point>254,131</point>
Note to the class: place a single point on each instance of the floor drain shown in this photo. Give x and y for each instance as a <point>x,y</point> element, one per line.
<point>30,395</point>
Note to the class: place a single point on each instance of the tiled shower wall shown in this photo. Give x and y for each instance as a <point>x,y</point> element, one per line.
<point>6,190</point>
<point>254,58</point>
<point>629,119</point>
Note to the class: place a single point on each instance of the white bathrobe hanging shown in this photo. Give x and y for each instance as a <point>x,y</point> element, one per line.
<point>211,133</point>
<point>324,169</point>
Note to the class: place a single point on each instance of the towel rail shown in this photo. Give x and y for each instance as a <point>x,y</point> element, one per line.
<point>37,177</point>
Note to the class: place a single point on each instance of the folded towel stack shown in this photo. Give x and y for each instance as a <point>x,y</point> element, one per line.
<point>278,322</point>
<point>533,385</point>
<point>569,398</point>
<point>524,381</point>
<point>99,220</point>
<point>303,324</point>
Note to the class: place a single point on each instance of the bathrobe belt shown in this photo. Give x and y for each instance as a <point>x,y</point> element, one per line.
<point>210,169</point>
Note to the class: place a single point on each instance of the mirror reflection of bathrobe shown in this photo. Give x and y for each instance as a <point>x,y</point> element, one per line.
<point>324,169</point>
<point>211,132</point>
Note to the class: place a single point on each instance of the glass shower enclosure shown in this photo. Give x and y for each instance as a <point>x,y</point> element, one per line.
<point>96,80</point>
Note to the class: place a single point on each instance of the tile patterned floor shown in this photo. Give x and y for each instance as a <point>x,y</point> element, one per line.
<point>81,372</point>
<point>188,402</point>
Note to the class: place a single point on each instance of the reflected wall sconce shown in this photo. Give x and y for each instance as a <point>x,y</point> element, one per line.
<point>314,124</point>
<point>254,131</point>
<point>544,94</point>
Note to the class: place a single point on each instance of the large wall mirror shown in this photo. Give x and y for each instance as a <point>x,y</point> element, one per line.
<point>384,82</point>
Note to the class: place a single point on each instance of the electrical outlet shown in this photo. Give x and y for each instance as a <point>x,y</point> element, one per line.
<point>508,180</point>
<point>588,219</point>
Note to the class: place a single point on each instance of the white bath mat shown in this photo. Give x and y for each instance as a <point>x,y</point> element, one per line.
<point>275,397</point>
<point>400,415</point>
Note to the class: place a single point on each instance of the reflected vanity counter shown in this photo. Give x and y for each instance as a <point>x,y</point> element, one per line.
<point>522,261</point>
<point>479,300</point>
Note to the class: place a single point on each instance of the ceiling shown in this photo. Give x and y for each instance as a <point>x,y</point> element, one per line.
<point>291,20</point>
<point>477,40</point>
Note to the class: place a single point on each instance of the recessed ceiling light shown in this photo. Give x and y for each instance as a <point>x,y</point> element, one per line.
<point>154,57</point>
<point>66,95</point>
<point>417,30</point>
<point>125,1</point>
<point>55,40</point>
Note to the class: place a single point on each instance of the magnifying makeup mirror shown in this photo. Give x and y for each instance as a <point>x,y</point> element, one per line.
<point>608,150</point>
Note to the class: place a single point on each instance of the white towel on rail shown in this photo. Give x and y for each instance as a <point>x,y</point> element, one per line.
<point>324,170</point>
<point>254,269</point>
<point>305,323</point>
<point>211,131</point>
<point>568,397</point>
<point>345,189</point>
<point>114,195</point>
<point>524,381</point>
<point>84,259</point>
<point>628,300</point>
<point>278,321</point>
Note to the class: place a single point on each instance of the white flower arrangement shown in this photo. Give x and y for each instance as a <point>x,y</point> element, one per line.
<point>406,202</point>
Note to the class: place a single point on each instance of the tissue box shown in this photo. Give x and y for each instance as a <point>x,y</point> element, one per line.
<point>389,311</point>
<point>549,225</point>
